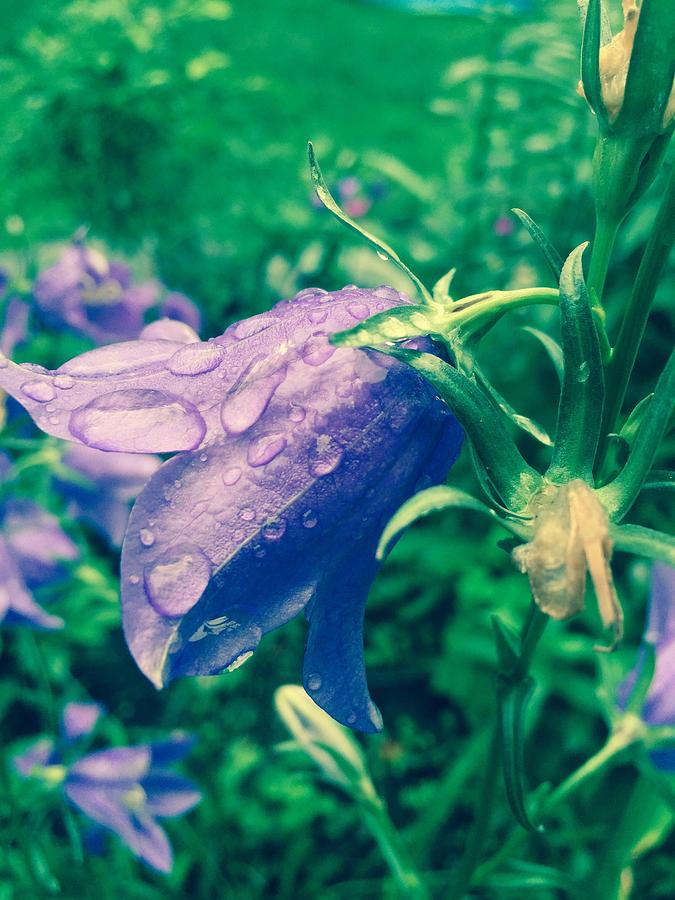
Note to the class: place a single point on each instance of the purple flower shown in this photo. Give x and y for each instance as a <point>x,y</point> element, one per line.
<point>33,548</point>
<point>182,309</point>
<point>124,789</point>
<point>659,705</point>
<point>79,719</point>
<point>15,326</point>
<point>295,455</point>
<point>87,293</point>
<point>111,482</point>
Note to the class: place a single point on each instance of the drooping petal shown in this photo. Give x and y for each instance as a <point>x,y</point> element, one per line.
<point>125,765</point>
<point>17,606</point>
<point>36,539</point>
<point>79,719</point>
<point>661,625</point>
<point>169,794</point>
<point>228,544</point>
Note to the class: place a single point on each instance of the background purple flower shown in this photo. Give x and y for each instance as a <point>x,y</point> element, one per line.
<point>79,719</point>
<point>180,308</point>
<point>659,705</point>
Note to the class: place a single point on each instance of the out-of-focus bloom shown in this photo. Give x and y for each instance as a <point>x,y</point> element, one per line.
<point>296,454</point>
<point>15,325</point>
<point>111,482</point>
<point>124,789</point>
<point>503,226</point>
<point>33,549</point>
<point>659,705</point>
<point>86,292</point>
<point>79,719</point>
<point>182,309</point>
<point>354,197</point>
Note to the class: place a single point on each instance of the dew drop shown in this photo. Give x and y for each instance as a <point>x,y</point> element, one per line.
<point>240,660</point>
<point>203,457</point>
<point>318,315</point>
<point>246,404</point>
<point>309,518</point>
<point>248,327</point>
<point>54,420</point>
<point>134,579</point>
<point>316,351</point>
<point>247,514</point>
<point>274,530</point>
<point>146,537</point>
<point>177,580</point>
<point>231,476</point>
<point>64,382</point>
<point>584,372</point>
<point>196,359</point>
<point>382,255</point>
<point>41,391</point>
<point>358,311</point>
<point>314,682</point>
<point>351,718</point>
<point>264,449</point>
<point>326,456</point>
<point>296,413</point>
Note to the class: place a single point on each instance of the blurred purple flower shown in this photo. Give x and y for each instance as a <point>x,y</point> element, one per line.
<point>659,705</point>
<point>124,789</point>
<point>503,226</point>
<point>182,309</point>
<point>79,719</point>
<point>33,548</point>
<point>355,198</point>
<point>298,454</point>
<point>110,482</point>
<point>15,326</point>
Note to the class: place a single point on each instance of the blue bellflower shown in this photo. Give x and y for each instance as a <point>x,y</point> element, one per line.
<point>292,456</point>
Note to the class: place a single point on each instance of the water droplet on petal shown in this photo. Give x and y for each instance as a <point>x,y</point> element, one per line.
<point>203,457</point>
<point>351,718</point>
<point>296,413</point>
<point>247,514</point>
<point>240,660</point>
<point>54,420</point>
<point>274,530</point>
<point>42,391</point>
<point>64,382</point>
<point>309,518</point>
<point>264,449</point>
<point>314,682</point>
<point>248,327</point>
<point>231,476</point>
<point>134,579</point>
<point>145,421</point>
<point>245,404</point>
<point>326,455</point>
<point>317,350</point>
<point>318,315</point>
<point>177,580</point>
<point>196,359</point>
<point>358,311</point>
<point>147,538</point>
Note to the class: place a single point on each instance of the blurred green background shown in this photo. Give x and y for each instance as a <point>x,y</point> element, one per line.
<point>177,132</point>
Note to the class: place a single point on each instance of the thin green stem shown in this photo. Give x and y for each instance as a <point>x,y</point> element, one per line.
<point>635,318</point>
<point>376,818</point>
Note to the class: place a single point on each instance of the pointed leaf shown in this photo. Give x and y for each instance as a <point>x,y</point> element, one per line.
<point>552,347</point>
<point>391,325</point>
<point>644,542</point>
<point>432,500</point>
<point>551,255</point>
<point>507,642</point>
<point>384,250</point>
<point>528,425</point>
<point>512,699</point>
<point>590,61</point>
<point>582,390</point>
<point>513,478</point>
<point>441,290</point>
<point>619,495</point>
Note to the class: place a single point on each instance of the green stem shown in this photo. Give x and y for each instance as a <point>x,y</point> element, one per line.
<point>376,818</point>
<point>478,307</point>
<point>634,321</point>
<point>606,229</point>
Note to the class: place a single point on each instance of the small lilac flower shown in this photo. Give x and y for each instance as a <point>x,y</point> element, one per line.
<point>87,293</point>
<point>112,481</point>
<point>33,548</point>
<point>79,719</point>
<point>124,789</point>
<point>295,454</point>
<point>659,705</point>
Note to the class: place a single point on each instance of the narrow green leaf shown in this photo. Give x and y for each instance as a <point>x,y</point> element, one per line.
<point>652,67</point>
<point>552,347</point>
<point>644,542</point>
<point>524,422</point>
<point>551,255</point>
<point>433,499</point>
<point>391,325</point>
<point>512,699</point>
<point>383,250</point>
<point>619,495</point>
<point>590,60</point>
<point>582,390</point>
<point>507,644</point>
<point>441,290</point>
<point>514,480</point>
<point>659,480</point>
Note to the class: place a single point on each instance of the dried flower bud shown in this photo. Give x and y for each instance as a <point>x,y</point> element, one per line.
<point>571,538</point>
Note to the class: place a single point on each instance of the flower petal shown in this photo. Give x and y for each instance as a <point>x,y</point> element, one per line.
<point>37,754</point>
<point>117,765</point>
<point>36,540</point>
<point>79,719</point>
<point>169,794</point>
<point>16,602</point>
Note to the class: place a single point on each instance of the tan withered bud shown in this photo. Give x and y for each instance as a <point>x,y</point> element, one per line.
<point>571,539</point>
<point>614,63</point>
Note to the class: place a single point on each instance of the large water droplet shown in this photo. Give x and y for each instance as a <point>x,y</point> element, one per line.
<point>326,455</point>
<point>274,530</point>
<point>42,391</point>
<point>382,255</point>
<point>318,315</point>
<point>314,682</point>
<point>317,350</point>
<point>196,359</point>
<point>177,580</point>
<point>358,310</point>
<point>248,327</point>
<point>231,476</point>
<point>296,413</point>
<point>264,449</point>
<point>143,421</point>
<point>117,358</point>
<point>246,403</point>
<point>64,382</point>
<point>147,538</point>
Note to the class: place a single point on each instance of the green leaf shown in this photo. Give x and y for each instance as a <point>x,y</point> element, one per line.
<point>582,390</point>
<point>524,422</point>
<point>383,250</point>
<point>392,325</point>
<point>619,495</point>
<point>512,699</point>
<point>507,644</point>
<point>549,252</point>
<point>652,67</point>
<point>590,61</point>
<point>552,347</point>
<point>441,290</point>
<point>514,480</point>
<point>434,499</point>
<point>644,542</point>
<point>659,480</point>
